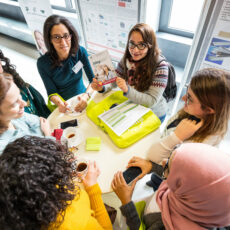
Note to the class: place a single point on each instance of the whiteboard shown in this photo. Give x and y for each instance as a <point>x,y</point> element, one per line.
<point>106,24</point>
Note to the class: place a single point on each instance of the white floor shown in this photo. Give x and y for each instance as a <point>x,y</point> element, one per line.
<point>24,56</point>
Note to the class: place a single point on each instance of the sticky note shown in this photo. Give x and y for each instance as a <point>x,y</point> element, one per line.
<point>93,143</point>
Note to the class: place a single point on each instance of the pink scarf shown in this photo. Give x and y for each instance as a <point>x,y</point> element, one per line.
<point>196,193</point>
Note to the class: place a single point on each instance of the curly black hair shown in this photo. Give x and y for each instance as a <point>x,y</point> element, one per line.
<point>36,181</point>
<point>11,69</point>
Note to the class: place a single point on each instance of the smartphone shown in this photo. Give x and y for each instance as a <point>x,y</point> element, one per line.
<point>131,173</point>
<point>193,118</point>
<point>71,123</point>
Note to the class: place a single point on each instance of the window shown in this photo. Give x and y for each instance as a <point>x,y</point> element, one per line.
<point>180,16</point>
<point>65,5</point>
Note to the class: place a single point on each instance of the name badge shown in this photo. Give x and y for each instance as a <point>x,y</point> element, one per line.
<point>77,67</point>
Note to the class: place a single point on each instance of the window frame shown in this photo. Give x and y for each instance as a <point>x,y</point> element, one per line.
<point>165,13</point>
<point>69,7</point>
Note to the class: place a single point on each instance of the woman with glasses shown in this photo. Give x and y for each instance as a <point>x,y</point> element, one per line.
<point>35,103</point>
<point>138,74</point>
<point>61,67</point>
<point>194,195</point>
<point>203,119</point>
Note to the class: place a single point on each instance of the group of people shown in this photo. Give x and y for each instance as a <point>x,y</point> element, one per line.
<point>38,189</point>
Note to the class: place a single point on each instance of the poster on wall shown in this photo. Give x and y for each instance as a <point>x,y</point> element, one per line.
<point>107,24</point>
<point>35,13</point>
<point>217,53</point>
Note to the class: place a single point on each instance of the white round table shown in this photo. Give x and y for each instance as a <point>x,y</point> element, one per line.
<point>110,158</point>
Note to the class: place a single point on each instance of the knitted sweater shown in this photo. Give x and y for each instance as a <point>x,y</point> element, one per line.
<point>153,97</point>
<point>86,212</point>
<point>62,79</point>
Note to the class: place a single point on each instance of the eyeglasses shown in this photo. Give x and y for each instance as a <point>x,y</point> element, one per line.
<point>189,99</point>
<point>166,168</point>
<point>140,46</point>
<point>58,38</point>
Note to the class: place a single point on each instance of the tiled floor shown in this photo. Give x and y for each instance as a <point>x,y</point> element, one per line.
<point>24,56</point>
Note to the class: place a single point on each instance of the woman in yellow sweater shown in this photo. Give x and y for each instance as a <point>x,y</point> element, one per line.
<point>38,189</point>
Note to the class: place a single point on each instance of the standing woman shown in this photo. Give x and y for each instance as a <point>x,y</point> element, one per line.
<point>139,76</point>
<point>56,66</point>
<point>35,103</point>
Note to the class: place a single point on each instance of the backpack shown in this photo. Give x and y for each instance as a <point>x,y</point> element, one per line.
<point>171,88</point>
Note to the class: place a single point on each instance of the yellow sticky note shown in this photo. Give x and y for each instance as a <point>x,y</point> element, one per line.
<point>93,143</point>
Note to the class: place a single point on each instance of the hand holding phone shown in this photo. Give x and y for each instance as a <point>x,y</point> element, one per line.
<point>131,173</point>
<point>120,187</point>
<point>71,123</point>
<point>187,127</point>
<point>193,118</point>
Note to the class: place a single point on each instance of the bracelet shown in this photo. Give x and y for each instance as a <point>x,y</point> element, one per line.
<point>89,95</point>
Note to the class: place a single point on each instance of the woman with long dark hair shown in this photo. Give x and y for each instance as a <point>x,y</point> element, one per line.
<point>139,75</point>
<point>61,67</point>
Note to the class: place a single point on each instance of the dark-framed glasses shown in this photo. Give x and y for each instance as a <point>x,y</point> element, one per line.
<point>140,46</point>
<point>57,38</point>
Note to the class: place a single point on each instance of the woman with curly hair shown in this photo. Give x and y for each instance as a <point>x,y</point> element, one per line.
<point>38,189</point>
<point>34,100</point>
<point>140,77</point>
<point>14,122</point>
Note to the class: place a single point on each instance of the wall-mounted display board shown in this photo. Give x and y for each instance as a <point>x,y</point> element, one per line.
<point>35,13</point>
<point>106,23</point>
<point>215,49</point>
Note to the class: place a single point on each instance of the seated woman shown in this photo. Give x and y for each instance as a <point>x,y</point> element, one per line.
<point>139,76</point>
<point>195,194</point>
<point>39,192</point>
<point>14,123</point>
<point>61,67</point>
<point>35,102</point>
<point>203,119</point>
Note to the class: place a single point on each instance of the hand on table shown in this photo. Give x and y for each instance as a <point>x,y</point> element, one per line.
<point>92,174</point>
<point>95,85</point>
<point>121,83</point>
<point>45,126</point>
<point>82,104</point>
<point>186,128</point>
<point>145,165</point>
<point>120,187</point>
<point>63,107</point>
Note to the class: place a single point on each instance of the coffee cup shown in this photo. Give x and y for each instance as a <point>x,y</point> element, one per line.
<point>80,168</point>
<point>72,136</point>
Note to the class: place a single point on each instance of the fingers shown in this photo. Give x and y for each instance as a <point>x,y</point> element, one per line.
<point>134,183</point>
<point>141,176</point>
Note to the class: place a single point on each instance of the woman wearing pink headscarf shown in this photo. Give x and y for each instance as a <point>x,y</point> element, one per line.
<point>195,195</point>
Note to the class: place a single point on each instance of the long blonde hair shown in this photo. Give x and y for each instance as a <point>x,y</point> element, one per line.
<point>5,83</point>
<point>212,88</point>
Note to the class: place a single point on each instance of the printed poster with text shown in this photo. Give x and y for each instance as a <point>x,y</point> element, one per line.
<point>217,54</point>
<point>107,24</point>
<point>35,13</point>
